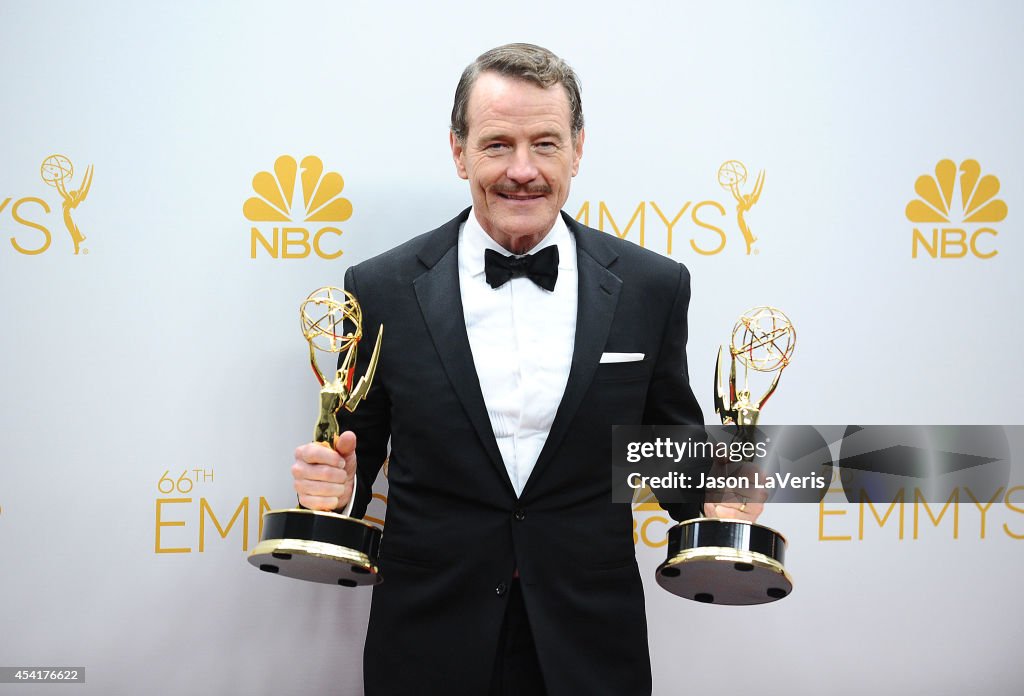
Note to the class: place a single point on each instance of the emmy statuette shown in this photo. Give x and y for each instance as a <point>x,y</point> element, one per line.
<point>309,544</point>
<point>726,561</point>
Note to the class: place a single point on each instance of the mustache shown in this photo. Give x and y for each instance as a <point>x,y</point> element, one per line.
<point>506,190</point>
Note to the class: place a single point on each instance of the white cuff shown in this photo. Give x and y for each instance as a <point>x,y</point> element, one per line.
<point>352,500</point>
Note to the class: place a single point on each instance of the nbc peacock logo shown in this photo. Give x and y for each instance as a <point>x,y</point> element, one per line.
<point>960,203</point>
<point>650,521</point>
<point>276,201</point>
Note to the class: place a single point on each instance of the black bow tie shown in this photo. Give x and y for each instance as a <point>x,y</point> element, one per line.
<point>541,268</point>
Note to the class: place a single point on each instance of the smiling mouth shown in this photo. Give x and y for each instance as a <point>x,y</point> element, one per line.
<point>520,196</point>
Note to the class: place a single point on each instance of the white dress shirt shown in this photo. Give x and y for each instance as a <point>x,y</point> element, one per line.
<point>522,339</point>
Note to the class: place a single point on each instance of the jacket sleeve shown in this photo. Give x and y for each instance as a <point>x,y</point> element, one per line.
<point>371,420</point>
<point>670,400</point>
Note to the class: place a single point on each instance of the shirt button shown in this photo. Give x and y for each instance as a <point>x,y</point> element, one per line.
<point>519,515</point>
<point>501,589</point>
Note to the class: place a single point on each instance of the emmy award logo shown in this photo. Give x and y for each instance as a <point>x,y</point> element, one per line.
<point>57,171</point>
<point>731,176</point>
<point>728,561</point>
<point>309,544</point>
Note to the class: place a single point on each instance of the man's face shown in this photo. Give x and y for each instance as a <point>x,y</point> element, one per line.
<point>519,157</point>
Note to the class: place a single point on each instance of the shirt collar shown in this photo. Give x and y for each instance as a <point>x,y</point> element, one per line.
<point>473,242</point>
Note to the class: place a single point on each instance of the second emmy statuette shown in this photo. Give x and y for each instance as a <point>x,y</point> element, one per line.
<point>309,544</point>
<point>728,561</point>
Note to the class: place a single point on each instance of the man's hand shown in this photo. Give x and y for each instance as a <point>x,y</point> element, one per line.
<point>324,476</point>
<point>739,503</point>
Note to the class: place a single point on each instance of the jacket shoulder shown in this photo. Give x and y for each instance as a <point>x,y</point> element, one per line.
<point>412,257</point>
<point>627,259</point>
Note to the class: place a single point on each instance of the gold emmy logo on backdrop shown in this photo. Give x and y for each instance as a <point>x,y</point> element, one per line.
<point>728,561</point>
<point>308,544</point>
<point>275,201</point>
<point>938,203</point>
<point>701,223</point>
<point>56,171</point>
<point>731,177</point>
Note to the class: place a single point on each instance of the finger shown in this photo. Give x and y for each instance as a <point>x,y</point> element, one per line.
<point>732,511</point>
<point>301,471</point>
<point>315,453</point>
<point>326,504</point>
<point>345,445</point>
<point>758,496</point>
<point>752,511</point>
<point>726,511</point>
<point>721,510</point>
<point>321,489</point>
<point>731,497</point>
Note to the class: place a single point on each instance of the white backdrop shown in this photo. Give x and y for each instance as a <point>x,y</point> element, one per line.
<point>169,343</point>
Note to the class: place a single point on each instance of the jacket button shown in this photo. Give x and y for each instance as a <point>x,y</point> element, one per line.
<point>519,515</point>
<point>501,589</point>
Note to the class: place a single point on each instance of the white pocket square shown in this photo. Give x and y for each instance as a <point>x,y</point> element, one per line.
<point>621,357</point>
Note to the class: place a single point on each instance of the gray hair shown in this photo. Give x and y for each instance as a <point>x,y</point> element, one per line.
<point>520,61</point>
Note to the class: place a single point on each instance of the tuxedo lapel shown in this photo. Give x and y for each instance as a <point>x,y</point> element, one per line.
<point>598,297</point>
<point>440,301</point>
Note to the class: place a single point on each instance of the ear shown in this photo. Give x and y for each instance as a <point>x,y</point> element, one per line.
<point>458,151</point>
<point>578,151</point>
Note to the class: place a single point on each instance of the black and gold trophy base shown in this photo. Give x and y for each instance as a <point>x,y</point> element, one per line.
<point>319,547</point>
<point>719,561</point>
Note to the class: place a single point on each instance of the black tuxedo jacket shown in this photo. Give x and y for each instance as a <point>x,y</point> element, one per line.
<point>456,531</point>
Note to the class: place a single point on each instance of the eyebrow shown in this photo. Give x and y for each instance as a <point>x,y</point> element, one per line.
<point>548,135</point>
<point>542,135</point>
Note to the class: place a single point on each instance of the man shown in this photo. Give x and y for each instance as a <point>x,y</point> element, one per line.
<point>507,569</point>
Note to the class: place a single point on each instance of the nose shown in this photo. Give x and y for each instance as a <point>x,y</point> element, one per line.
<point>521,169</point>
